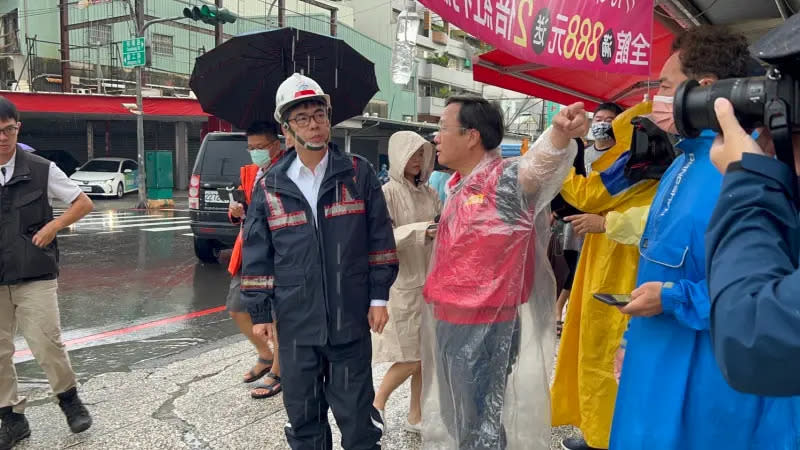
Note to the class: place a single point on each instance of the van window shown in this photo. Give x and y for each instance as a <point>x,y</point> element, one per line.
<point>224,158</point>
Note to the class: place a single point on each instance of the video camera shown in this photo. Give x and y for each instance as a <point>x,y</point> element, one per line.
<point>651,151</point>
<point>772,100</point>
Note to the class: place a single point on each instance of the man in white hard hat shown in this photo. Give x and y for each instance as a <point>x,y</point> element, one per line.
<point>319,254</point>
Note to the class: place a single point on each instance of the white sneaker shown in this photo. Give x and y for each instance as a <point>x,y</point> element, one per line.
<point>413,428</point>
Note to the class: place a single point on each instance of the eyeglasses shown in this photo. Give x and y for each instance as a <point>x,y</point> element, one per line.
<point>443,127</point>
<point>263,147</point>
<point>303,120</point>
<point>10,130</point>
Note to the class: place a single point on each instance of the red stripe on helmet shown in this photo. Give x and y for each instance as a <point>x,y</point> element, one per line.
<point>306,92</point>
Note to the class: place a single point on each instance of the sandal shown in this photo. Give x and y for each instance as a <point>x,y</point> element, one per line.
<point>253,376</point>
<point>270,388</point>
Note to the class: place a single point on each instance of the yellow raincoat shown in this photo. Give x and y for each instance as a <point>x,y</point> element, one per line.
<point>584,388</point>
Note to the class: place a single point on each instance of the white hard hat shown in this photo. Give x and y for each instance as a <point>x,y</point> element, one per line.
<point>295,89</point>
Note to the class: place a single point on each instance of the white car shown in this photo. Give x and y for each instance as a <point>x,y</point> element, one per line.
<point>107,177</point>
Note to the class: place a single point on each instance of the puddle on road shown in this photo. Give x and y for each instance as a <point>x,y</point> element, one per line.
<point>121,356</point>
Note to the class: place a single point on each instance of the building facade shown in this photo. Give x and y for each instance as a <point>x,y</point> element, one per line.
<point>31,32</point>
<point>444,65</point>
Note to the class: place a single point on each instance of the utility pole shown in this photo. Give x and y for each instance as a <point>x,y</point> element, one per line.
<point>207,14</point>
<point>66,76</point>
<point>141,179</point>
<point>218,27</point>
<point>98,70</point>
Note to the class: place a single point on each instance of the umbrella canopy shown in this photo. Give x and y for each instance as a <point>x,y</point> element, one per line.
<point>567,86</point>
<point>237,81</point>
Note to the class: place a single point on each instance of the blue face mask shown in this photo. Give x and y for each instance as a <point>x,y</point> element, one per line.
<point>260,157</point>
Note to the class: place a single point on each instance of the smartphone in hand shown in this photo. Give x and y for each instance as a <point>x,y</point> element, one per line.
<point>614,299</point>
<point>231,195</point>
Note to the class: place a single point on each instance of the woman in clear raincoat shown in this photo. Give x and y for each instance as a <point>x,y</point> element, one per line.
<point>413,205</point>
<point>488,339</point>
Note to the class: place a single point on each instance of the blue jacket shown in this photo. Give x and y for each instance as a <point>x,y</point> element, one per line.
<point>672,395</point>
<point>438,181</point>
<point>753,244</point>
<point>318,278</point>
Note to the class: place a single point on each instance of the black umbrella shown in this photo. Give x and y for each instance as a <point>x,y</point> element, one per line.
<point>237,80</point>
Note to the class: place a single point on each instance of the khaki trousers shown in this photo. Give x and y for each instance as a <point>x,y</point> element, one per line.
<point>33,306</point>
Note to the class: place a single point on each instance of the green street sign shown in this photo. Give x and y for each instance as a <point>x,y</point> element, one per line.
<point>133,52</point>
<point>133,59</point>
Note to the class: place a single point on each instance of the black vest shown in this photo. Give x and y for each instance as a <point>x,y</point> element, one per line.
<point>24,210</point>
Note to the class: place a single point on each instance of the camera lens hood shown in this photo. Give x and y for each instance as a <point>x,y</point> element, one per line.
<point>679,110</point>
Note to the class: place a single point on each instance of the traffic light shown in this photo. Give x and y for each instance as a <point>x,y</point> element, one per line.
<point>209,14</point>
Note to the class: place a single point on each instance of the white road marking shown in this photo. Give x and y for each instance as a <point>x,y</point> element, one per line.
<point>127,220</point>
<point>147,224</point>
<point>184,227</point>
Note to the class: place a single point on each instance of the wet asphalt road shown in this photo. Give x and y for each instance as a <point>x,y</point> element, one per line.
<point>134,298</point>
<point>131,292</point>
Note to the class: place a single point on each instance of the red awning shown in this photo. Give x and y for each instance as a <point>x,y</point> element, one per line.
<point>567,86</point>
<point>105,105</point>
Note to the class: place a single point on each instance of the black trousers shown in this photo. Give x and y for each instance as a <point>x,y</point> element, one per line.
<point>339,376</point>
<point>474,362</point>
<point>572,257</point>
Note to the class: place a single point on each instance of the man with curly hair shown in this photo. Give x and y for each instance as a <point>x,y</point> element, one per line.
<point>672,395</point>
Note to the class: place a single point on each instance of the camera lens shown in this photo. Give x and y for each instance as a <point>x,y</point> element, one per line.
<point>694,104</point>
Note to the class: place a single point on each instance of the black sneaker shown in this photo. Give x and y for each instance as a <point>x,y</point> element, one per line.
<point>14,428</point>
<point>77,415</point>
<point>576,444</point>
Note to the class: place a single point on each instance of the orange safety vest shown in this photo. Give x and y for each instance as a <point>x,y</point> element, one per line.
<point>248,176</point>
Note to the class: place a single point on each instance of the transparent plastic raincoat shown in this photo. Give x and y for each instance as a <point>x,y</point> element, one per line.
<point>488,338</point>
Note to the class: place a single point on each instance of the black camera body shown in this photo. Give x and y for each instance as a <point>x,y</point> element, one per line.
<point>651,151</point>
<point>771,101</point>
<point>756,100</point>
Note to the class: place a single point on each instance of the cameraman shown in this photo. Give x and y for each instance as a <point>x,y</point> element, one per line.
<point>752,245</point>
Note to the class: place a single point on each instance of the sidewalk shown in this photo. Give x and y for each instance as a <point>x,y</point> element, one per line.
<point>194,403</point>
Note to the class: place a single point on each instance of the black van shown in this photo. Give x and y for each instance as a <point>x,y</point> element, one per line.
<point>217,166</point>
